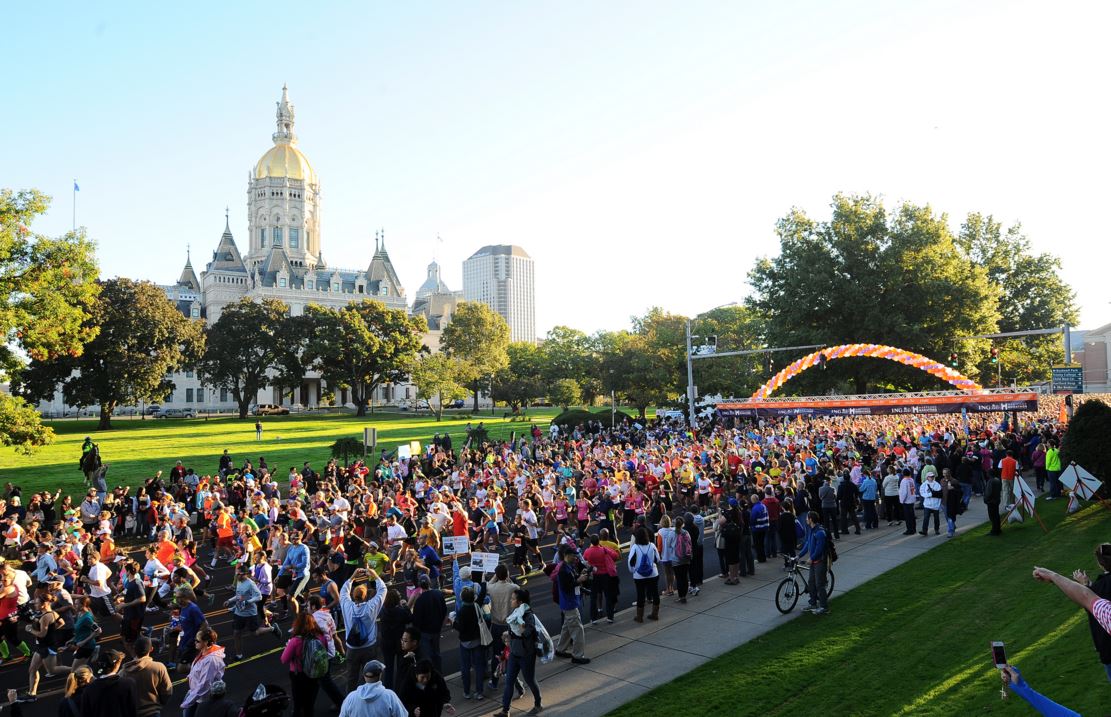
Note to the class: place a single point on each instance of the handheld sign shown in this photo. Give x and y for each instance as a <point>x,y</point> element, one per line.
<point>456,545</point>
<point>484,562</point>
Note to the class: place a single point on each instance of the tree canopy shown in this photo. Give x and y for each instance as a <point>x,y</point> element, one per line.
<point>436,377</point>
<point>872,276</point>
<point>140,339</point>
<point>47,288</point>
<point>362,345</point>
<point>478,337</point>
<point>243,347</point>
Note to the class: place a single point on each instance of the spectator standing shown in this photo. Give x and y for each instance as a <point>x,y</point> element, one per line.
<point>892,511</point>
<point>572,636</point>
<point>1053,469</point>
<point>360,617</point>
<point>425,692</point>
<point>931,505</point>
<point>471,626</point>
<point>1008,470</point>
<point>152,679</point>
<point>683,552</point>
<point>392,620</point>
<point>816,548</point>
<point>827,497</point>
<point>500,591</point>
<point>522,652</point>
<point>1101,586</point>
<point>953,497</point>
<point>643,561</point>
<point>429,615</point>
<point>110,694</point>
<point>207,668</point>
<point>695,524</point>
<point>304,687</point>
<point>372,698</point>
<point>993,487</point>
<point>907,497</point>
<point>869,491</point>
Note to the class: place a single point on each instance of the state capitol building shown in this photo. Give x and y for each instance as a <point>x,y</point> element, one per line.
<point>284,260</point>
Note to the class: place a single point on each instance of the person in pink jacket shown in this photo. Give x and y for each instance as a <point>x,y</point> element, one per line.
<point>207,668</point>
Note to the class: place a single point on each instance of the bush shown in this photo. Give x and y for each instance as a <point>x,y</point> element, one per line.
<point>1087,441</point>
<point>577,417</point>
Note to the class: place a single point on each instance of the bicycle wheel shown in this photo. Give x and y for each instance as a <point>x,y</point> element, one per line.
<point>787,595</point>
<point>829,584</point>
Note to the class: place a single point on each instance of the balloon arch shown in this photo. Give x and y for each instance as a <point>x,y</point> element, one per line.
<point>907,358</point>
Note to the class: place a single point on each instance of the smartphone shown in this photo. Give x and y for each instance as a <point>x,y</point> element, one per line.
<point>999,654</point>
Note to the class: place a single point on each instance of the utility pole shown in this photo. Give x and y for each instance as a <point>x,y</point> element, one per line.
<point>690,378</point>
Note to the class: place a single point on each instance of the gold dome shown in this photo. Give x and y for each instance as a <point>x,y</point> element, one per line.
<point>285,160</point>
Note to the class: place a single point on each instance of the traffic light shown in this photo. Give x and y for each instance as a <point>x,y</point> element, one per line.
<point>953,359</point>
<point>994,355</point>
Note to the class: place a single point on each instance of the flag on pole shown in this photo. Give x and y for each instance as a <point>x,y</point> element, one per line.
<point>75,187</point>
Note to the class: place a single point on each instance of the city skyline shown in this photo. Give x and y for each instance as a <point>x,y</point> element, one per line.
<point>580,133</point>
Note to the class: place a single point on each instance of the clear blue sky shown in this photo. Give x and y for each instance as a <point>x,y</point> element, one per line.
<point>647,147</point>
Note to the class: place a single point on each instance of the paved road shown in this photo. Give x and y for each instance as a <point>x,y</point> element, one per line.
<point>262,664</point>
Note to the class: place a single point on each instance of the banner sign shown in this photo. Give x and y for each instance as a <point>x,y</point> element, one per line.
<point>986,403</point>
<point>1068,379</point>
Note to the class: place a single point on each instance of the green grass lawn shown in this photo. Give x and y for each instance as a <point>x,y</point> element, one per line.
<point>135,449</point>
<point>914,641</point>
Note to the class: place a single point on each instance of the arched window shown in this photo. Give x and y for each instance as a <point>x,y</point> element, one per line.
<point>277,236</point>
<point>262,237</point>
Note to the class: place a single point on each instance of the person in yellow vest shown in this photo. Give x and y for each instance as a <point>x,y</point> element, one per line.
<point>1053,469</point>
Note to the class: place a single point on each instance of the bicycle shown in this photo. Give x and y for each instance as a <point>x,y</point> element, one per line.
<point>795,584</point>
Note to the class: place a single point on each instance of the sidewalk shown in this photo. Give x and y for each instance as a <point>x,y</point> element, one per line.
<point>628,659</point>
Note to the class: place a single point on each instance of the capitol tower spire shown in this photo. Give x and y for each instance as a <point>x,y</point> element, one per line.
<point>285,134</point>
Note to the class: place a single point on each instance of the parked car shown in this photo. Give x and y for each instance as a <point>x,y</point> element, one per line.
<point>270,409</point>
<point>422,405</point>
<point>457,403</point>
<point>151,409</point>
<point>176,413</point>
<point>297,408</point>
<point>126,411</point>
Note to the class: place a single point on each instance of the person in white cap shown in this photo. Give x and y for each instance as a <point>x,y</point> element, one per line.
<point>372,698</point>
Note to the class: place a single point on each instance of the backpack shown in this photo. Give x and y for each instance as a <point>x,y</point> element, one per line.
<point>356,634</point>
<point>731,531</point>
<point>644,565</point>
<point>682,547</point>
<point>314,658</point>
<point>832,551</point>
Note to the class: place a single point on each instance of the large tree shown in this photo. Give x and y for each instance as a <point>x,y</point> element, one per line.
<point>636,370</point>
<point>436,377</point>
<point>243,348</point>
<point>870,276</point>
<point>363,345</point>
<point>520,381</point>
<point>570,353</point>
<point>141,339</point>
<point>1032,295</point>
<point>47,288</point>
<point>478,336</point>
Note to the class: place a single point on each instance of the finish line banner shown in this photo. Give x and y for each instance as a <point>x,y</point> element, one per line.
<point>988,403</point>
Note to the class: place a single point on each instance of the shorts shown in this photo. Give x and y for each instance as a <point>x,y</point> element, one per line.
<point>84,653</point>
<point>186,650</point>
<point>131,629</point>
<point>245,624</point>
<point>44,651</point>
<point>532,542</point>
<point>283,581</point>
<point>228,542</point>
<point>102,606</point>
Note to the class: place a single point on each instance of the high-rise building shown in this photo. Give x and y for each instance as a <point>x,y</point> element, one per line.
<point>502,277</point>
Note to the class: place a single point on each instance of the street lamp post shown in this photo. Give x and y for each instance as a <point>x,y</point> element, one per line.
<point>690,364</point>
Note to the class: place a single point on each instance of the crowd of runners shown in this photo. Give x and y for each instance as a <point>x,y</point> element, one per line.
<point>348,569</point>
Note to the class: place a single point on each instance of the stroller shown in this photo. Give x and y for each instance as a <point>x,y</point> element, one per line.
<point>266,701</point>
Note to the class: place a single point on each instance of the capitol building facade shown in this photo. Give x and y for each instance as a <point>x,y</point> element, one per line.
<point>284,260</point>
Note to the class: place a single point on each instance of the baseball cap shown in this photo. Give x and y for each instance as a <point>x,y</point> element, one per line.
<point>373,667</point>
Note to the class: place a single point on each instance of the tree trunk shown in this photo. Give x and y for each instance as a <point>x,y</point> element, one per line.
<point>476,395</point>
<point>244,407</point>
<point>105,423</point>
<point>439,406</point>
<point>360,404</point>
